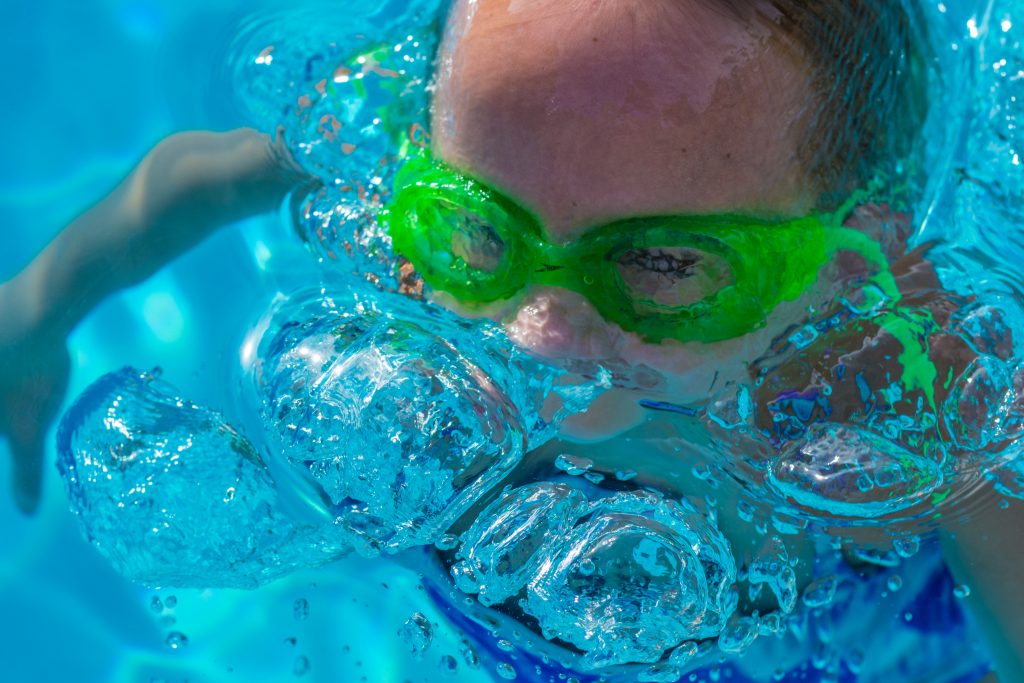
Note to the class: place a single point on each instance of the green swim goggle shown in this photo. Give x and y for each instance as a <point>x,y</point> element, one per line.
<point>689,278</point>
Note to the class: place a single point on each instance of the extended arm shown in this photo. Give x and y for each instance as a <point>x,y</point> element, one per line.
<point>189,185</point>
<point>986,553</point>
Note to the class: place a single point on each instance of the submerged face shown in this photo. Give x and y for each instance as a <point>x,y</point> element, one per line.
<point>589,111</point>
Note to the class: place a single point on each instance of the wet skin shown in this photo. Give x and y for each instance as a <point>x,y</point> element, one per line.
<point>590,114</point>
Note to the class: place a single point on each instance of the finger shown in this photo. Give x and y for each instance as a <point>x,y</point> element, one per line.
<point>27,479</point>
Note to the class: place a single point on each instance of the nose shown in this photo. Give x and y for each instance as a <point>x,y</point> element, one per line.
<point>560,324</point>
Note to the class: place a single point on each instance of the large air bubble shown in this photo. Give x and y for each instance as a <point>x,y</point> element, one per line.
<point>404,418</point>
<point>172,495</point>
<point>638,575</point>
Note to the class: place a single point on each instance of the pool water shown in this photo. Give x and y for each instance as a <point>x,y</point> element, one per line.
<point>98,84</point>
<point>91,114</point>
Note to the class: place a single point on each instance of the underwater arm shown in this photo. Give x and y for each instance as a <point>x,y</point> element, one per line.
<point>185,188</point>
<point>986,553</point>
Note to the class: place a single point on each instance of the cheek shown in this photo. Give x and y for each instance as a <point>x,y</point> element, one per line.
<point>560,324</point>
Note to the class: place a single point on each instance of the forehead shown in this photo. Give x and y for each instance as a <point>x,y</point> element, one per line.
<point>591,110</point>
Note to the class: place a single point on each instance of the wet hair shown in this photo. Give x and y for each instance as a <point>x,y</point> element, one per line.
<point>868,73</point>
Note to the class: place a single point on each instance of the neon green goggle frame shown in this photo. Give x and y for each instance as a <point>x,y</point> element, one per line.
<point>767,262</point>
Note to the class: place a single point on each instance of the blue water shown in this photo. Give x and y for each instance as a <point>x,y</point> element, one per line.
<point>96,85</point>
<point>92,114</point>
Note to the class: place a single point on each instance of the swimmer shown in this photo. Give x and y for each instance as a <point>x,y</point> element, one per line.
<point>586,112</point>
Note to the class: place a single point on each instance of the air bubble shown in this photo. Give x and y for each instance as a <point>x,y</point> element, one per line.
<point>738,634</point>
<point>448,665</point>
<point>469,655</point>
<point>573,465</point>
<point>907,546</point>
<point>847,471</point>
<point>301,666</point>
<point>821,592</point>
<point>503,549</point>
<point>300,609</point>
<point>662,575</point>
<point>176,640</point>
<point>417,633</point>
<point>447,542</point>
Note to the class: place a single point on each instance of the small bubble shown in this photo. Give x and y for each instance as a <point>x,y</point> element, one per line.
<point>1004,504</point>
<point>447,542</point>
<point>587,567</point>
<point>417,633</point>
<point>156,604</point>
<point>573,465</point>
<point>770,624</point>
<point>894,583</point>
<point>301,609</point>
<point>301,667</point>
<point>821,592</point>
<point>701,471</point>
<point>745,511</point>
<point>682,655</point>
<point>506,671</point>
<point>907,546</point>
<point>229,494</point>
<point>448,664</point>
<point>962,591</point>
<point>505,645</point>
<point>469,655</point>
<point>176,640</point>
<point>855,661</point>
<point>171,602</point>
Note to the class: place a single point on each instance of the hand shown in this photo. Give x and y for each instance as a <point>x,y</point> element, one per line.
<point>34,367</point>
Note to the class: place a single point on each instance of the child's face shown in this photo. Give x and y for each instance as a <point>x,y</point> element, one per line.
<point>587,111</point>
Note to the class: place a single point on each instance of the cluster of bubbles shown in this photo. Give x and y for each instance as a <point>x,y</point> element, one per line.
<point>172,495</point>
<point>349,104</point>
<point>832,444</point>
<point>624,578</point>
<point>401,415</point>
<point>384,424</point>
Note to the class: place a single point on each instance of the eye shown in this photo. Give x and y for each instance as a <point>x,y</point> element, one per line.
<point>671,277</point>
<point>672,264</point>
<point>473,238</point>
